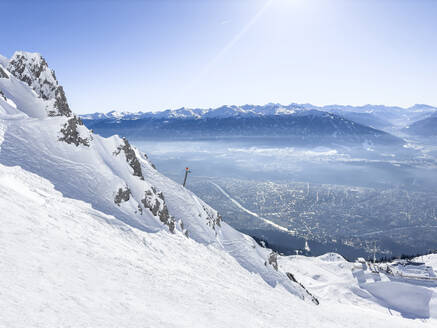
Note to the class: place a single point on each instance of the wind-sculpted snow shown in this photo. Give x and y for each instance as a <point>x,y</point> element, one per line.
<point>94,169</point>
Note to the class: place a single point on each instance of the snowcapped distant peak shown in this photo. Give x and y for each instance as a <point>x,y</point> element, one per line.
<point>116,114</point>
<point>32,69</point>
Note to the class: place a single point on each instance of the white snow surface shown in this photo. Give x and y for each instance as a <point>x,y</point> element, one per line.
<point>66,264</point>
<point>72,257</point>
<point>430,260</point>
<point>334,280</point>
<point>20,96</point>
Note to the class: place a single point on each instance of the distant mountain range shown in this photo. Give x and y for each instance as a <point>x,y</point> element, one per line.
<point>426,127</point>
<point>298,122</point>
<point>367,114</point>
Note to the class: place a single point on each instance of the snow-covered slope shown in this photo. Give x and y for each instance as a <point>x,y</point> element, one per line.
<point>66,264</point>
<point>113,176</point>
<point>337,281</point>
<point>430,260</point>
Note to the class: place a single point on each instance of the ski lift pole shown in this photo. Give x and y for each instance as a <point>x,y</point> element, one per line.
<point>187,170</point>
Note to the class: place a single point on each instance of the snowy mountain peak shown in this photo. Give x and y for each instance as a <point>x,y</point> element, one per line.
<point>32,69</point>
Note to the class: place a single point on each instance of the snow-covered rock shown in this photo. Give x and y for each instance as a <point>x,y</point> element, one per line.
<point>32,69</point>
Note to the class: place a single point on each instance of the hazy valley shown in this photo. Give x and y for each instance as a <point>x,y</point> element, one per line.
<point>333,182</point>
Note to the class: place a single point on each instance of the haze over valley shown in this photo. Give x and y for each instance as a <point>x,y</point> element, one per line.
<point>354,180</point>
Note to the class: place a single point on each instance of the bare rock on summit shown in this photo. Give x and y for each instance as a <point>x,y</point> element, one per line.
<point>32,69</point>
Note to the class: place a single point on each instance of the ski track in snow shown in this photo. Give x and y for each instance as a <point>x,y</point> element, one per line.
<point>277,226</point>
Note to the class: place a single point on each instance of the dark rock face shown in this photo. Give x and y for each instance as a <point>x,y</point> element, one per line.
<point>184,231</point>
<point>273,260</point>
<point>33,70</point>
<point>123,195</point>
<point>3,95</point>
<point>131,158</point>
<point>213,220</point>
<point>154,201</point>
<point>3,74</point>
<point>71,134</point>
<point>291,277</point>
<point>313,298</point>
<point>61,102</point>
<point>151,164</point>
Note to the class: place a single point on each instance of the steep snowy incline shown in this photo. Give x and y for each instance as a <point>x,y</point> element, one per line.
<point>16,94</point>
<point>335,280</point>
<point>116,179</point>
<point>66,264</point>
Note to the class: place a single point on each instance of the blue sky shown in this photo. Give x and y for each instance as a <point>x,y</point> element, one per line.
<point>153,55</point>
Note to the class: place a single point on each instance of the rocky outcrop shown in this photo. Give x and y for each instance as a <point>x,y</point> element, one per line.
<point>213,219</point>
<point>70,133</point>
<point>154,201</point>
<point>3,95</point>
<point>3,74</point>
<point>123,195</point>
<point>273,260</point>
<point>313,298</point>
<point>151,164</point>
<point>131,158</point>
<point>61,103</point>
<point>32,69</point>
<point>184,231</point>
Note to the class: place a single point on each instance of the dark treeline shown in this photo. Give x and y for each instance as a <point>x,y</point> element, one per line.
<point>385,259</point>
